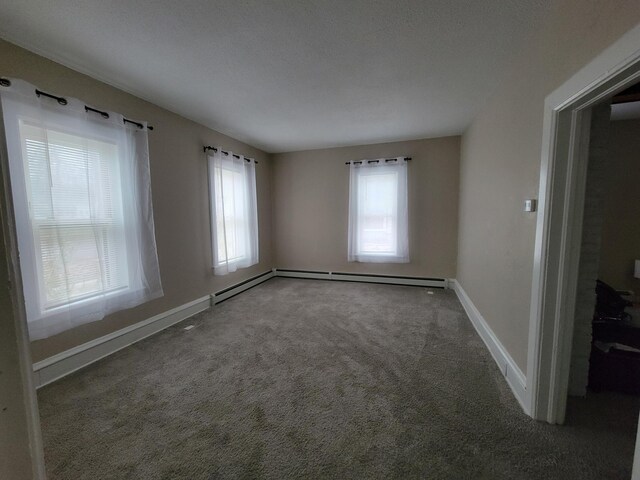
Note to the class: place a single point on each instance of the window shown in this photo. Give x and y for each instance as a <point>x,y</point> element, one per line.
<point>234,218</point>
<point>84,223</point>
<point>74,194</point>
<point>378,211</point>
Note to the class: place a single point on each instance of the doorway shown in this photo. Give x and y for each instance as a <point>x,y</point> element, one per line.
<point>563,180</point>
<point>604,375</point>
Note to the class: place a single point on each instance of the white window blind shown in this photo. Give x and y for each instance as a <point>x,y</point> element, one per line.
<point>378,224</point>
<point>234,217</point>
<point>83,211</point>
<point>76,217</point>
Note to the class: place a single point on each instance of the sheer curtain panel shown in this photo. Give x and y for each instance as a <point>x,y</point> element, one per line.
<point>378,226</point>
<point>234,216</point>
<point>82,201</point>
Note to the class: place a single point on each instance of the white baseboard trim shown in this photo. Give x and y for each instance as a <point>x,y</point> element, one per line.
<point>512,373</point>
<point>358,277</point>
<point>67,362</point>
<point>241,287</point>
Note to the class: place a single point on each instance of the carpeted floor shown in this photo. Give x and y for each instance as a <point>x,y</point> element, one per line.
<point>317,379</point>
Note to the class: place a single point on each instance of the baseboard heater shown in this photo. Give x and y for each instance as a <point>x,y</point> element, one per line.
<point>64,363</point>
<point>363,277</point>
<point>234,290</point>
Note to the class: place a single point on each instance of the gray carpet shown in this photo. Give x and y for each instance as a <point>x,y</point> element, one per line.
<point>315,379</point>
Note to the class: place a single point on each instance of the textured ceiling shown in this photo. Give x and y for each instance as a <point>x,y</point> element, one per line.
<point>290,75</point>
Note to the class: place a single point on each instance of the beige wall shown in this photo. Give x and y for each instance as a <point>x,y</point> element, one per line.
<point>179,188</point>
<point>499,168</point>
<point>500,163</point>
<point>621,228</point>
<point>311,199</point>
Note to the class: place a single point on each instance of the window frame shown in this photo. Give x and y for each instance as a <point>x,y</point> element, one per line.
<point>45,305</point>
<point>245,254</point>
<point>37,306</point>
<point>245,169</point>
<point>357,211</point>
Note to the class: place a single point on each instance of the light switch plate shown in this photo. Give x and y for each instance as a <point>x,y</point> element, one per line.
<point>530,205</point>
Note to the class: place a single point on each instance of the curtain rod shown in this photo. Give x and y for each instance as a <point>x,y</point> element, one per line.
<point>406,159</point>
<point>5,82</point>
<point>209,147</point>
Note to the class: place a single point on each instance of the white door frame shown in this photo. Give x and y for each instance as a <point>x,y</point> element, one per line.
<point>559,222</point>
<point>25,364</point>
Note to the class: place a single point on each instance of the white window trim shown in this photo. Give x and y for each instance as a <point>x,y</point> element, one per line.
<point>33,276</point>
<point>239,164</point>
<point>401,254</point>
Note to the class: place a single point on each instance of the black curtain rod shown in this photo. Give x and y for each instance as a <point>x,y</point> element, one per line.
<point>63,101</point>
<point>99,112</point>
<point>106,115</point>
<point>5,82</point>
<point>60,100</point>
<point>358,162</point>
<point>209,147</point>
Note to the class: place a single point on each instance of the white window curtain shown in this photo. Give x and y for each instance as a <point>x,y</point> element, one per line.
<point>378,225</point>
<point>82,201</point>
<point>234,215</point>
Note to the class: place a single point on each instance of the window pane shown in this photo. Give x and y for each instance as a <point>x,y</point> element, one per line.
<point>377,211</point>
<point>74,191</point>
<point>71,177</point>
<point>234,215</point>
<point>79,261</point>
<point>231,224</point>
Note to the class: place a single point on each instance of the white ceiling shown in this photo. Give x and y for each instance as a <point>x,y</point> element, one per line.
<point>290,75</point>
